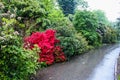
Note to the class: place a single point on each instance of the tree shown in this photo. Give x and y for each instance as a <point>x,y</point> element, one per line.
<point>69,6</point>
<point>101,17</point>
<point>102,20</point>
<point>86,22</point>
<point>118,27</point>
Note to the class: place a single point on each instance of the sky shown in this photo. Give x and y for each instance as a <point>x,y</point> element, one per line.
<point>110,7</point>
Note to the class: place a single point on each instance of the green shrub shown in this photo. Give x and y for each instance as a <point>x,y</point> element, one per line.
<point>93,38</point>
<point>110,35</point>
<point>57,18</point>
<point>73,43</point>
<point>86,22</point>
<point>32,14</point>
<point>16,63</point>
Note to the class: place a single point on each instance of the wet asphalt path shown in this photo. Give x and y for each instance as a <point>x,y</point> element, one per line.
<point>79,68</point>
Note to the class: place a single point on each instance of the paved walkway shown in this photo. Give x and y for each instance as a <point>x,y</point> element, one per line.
<point>79,68</point>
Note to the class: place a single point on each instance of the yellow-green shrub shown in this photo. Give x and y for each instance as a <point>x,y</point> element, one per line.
<point>16,63</point>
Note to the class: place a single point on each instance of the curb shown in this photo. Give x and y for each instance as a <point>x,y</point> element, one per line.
<point>117,69</point>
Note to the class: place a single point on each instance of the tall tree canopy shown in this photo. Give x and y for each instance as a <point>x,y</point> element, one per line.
<point>69,6</point>
<point>101,17</point>
<point>86,22</point>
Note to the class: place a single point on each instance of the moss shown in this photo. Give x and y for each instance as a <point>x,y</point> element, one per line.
<point>118,78</point>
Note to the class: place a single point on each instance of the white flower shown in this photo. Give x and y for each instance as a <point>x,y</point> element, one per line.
<point>16,33</point>
<point>12,16</point>
<point>1,6</point>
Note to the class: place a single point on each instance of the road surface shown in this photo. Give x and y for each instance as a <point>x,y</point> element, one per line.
<point>83,67</point>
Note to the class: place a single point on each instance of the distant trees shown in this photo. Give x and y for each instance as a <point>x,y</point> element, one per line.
<point>95,27</point>
<point>118,27</point>
<point>101,17</point>
<point>102,22</point>
<point>69,6</point>
<point>105,28</point>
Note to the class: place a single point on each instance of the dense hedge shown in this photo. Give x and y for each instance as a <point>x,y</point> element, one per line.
<point>86,22</point>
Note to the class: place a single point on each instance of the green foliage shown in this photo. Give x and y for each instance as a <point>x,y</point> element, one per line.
<point>33,14</point>
<point>22,17</point>
<point>56,17</point>
<point>118,29</point>
<point>26,8</point>
<point>87,23</point>
<point>73,43</point>
<point>101,17</point>
<point>93,38</point>
<point>103,21</point>
<point>85,20</point>
<point>110,35</point>
<point>16,63</point>
<point>82,3</point>
<point>14,23</point>
<point>69,6</point>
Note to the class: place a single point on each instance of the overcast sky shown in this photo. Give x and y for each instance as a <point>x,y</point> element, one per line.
<point>110,7</point>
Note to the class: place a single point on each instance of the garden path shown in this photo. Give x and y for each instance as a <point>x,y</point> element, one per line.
<point>80,67</point>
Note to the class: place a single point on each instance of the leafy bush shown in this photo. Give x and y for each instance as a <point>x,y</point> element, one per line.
<point>86,22</point>
<point>57,18</point>
<point>110,36</point>
<point>73,45</point>
<point>33,14</point>
<point>93,38</point>
<point>47,43</point>
<point>16,63</point>
<point>72,42</point>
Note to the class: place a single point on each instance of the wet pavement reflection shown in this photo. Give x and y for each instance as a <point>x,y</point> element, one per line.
<point>79,68</point>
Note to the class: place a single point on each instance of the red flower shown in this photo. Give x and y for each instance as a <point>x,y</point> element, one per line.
<point>47,43</point>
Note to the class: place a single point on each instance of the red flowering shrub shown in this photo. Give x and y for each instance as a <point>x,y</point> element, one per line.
<point>46,41</point>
